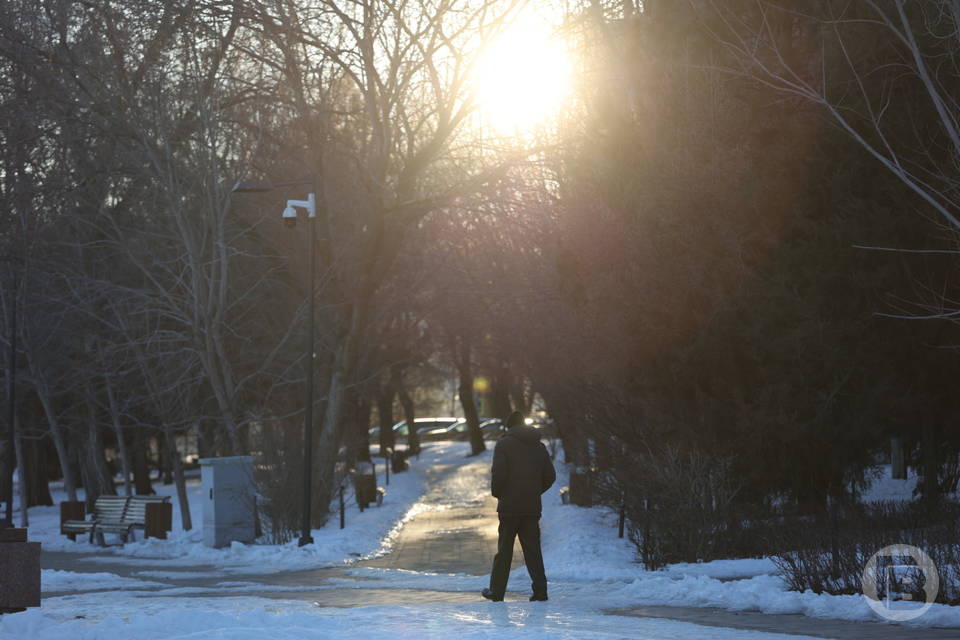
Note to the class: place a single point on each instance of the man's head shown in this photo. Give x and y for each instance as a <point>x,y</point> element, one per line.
<point>515,419</point>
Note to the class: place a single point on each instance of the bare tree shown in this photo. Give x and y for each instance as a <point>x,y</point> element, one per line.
<point>403,67</point>
<point>885,72</point>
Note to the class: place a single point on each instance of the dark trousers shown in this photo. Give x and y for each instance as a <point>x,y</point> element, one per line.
<point>528,529</point>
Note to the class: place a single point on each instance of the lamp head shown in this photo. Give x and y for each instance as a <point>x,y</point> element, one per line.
<point>289,217</point>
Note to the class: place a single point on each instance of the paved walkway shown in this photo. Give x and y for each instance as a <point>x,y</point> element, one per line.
<point>458,536</point>
<point>453,537</point>
<point>793,624</point>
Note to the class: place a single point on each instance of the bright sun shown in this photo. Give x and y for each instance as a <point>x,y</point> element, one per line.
<point>523,78</point>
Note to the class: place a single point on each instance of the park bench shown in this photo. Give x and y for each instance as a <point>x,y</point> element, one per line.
<point>121,515</point>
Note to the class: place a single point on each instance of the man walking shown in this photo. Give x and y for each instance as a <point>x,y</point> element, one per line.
<point>521,471</point>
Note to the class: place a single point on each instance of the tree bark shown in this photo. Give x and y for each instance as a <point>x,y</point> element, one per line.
<point>385,415</point>
<point>22,476</point>
<point>361,430</point>
<point>898,461</point>
<point>166,463</point>
<point>179,479</point>
<point>413,439</point>
<point>141,470</point>
<point>467,401</point>
<point>931,463</point>
<point>121,441</point>
<point>69,484</point>
<point>38,488</point>
<point>100,473</point>
<point>7,462</point>
<point>500,393</point>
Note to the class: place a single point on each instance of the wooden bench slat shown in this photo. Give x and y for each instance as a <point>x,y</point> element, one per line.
<point>119,514</point>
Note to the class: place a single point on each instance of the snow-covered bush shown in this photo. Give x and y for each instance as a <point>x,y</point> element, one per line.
<point>828,554</point>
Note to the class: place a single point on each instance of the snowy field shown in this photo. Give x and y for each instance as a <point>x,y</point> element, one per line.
<point>589,568</point>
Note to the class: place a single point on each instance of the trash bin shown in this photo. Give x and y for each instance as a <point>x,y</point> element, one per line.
<point>230,495</point>
<point>581,487</point>
<point>399,461</point>
<point>365,484</point>
<point>20,568</point>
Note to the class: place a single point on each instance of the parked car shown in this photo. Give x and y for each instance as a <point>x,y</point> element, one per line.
<point>455,430</point>
<point>547,428</point>
<point>492,428</point>
<point>423,425</point>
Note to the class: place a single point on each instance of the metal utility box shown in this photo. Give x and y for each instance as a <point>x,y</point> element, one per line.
<point>229,500</point>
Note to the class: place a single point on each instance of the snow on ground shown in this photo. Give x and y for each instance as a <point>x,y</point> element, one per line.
<point>884,487</point>
<point>581,551</point>
<point>367,534</point>
<point>590,570</point>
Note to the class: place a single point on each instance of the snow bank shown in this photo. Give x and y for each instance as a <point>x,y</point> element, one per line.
<point>367,534</point>
<point>584,556</point>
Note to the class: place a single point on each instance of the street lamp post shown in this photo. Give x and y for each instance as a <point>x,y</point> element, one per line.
<point>11,392</point>
<point>290,220</point>
<point>12,404</point>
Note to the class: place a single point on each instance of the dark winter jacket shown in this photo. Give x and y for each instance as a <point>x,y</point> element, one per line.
<point>521,471</point>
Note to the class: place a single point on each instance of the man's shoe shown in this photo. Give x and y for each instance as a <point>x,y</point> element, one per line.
<point>486,593</point>
<point>538,597</point>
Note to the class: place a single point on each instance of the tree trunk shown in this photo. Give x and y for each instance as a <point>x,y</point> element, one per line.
<point>324,449</point>
<point>361,429</point>
<point>69,484</point>
<point>898,461</point>
<point>38,488</point>
<point>467,400</point>
<point>91,488</point>
<point>385,415</point>
<point>141,471</point>
<point>101,474</point>
<point>500,394</point>
<point>121,442</point>
<point>7,464</point>
<point>522,400</point>
<point>21,475</point>
<point>342,370</point>
<point>931,464</point>
<point>167,463</point>
<point>205,441</point>
<point>179,479</point>
<point>413,439</point>
<point>574,447</point>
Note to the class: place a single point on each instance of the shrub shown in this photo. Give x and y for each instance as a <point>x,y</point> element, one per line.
<point>827,554</point>
<point>680,505</point>
<point>278,473</point>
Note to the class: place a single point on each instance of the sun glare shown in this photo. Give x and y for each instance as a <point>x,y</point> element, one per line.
<point>522,78</point>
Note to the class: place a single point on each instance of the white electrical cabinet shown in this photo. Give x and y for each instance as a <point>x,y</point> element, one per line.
<point>229,500</point>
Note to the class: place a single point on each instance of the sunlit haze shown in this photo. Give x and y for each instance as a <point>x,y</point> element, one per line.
<point>522,78</point>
